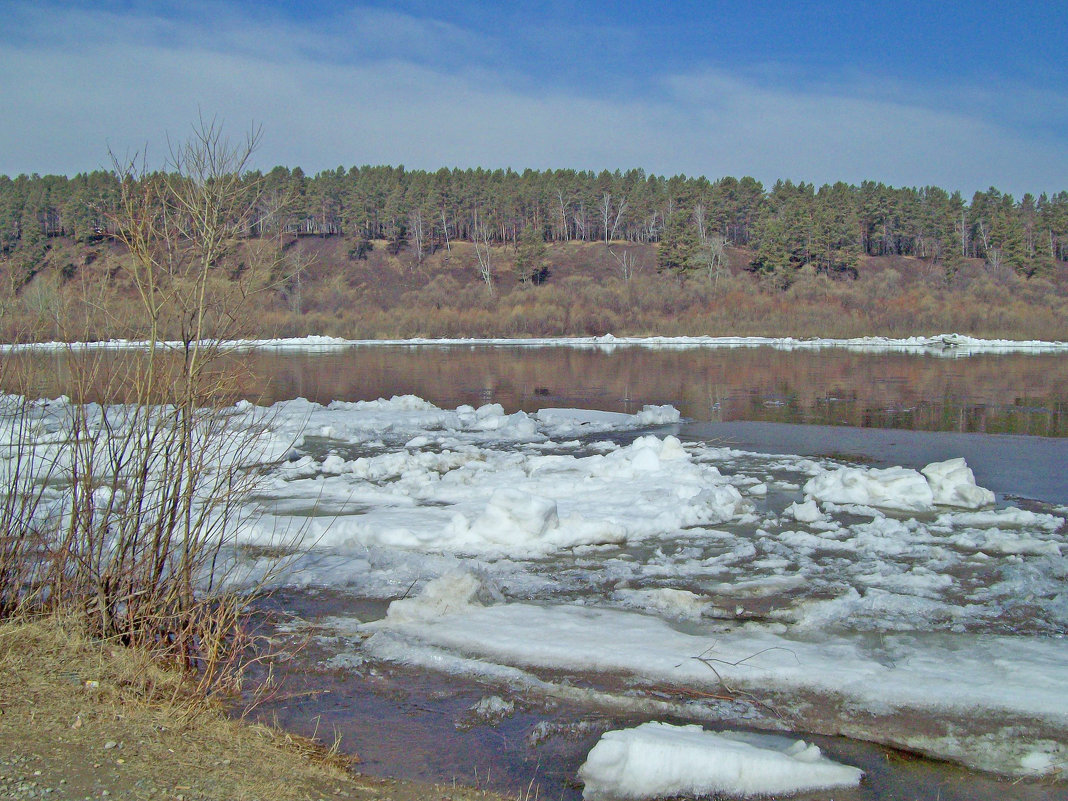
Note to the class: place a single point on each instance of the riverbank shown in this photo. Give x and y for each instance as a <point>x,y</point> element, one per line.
<point>83,719</point>
<point>86,292</point>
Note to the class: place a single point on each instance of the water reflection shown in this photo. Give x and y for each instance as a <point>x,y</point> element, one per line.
<point>993,393</point>
<point>1016,394</point>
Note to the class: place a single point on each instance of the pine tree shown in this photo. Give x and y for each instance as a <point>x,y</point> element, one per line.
<point>678,244</point>
<point>530,252</point>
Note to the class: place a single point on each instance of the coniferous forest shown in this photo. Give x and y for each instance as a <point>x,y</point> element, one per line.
<point>385,251</point>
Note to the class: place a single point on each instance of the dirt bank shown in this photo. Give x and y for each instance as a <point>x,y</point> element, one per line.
<point>80,719</point>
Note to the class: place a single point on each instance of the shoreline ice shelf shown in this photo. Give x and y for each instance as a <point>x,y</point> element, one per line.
<point>948,345</point>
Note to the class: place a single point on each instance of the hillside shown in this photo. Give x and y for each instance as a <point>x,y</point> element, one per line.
<point>320,285</point>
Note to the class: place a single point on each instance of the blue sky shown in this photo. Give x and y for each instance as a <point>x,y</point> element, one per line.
<point>961,95</point>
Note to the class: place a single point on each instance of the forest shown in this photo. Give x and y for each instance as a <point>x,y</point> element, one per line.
<point>695,255</point>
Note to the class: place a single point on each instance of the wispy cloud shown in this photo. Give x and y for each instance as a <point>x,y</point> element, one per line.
<point>373,86</point>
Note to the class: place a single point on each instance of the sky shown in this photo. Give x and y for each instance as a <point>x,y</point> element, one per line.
<point>962,95</point>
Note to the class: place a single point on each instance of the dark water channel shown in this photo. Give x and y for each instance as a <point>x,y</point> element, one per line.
<point>1007,414</point>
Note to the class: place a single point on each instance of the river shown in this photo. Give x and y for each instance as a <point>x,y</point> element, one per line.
<point>888,590</point>
<point>1005,413</point>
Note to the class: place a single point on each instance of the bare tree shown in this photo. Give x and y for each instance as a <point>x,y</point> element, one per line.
<point>995,262</point>
<point>984,236</point>
<point>296,264</point>
<point>621,208</point>
<point>445,230</point>
<point>419,233</point>
<point>606,213</point>
<point>717,258</point>
<point>611,216</point>
<point>562,211</point>
<point>699,221</point>
<point>481,239</point>
<point>625,259</point>
<point>581,222</point>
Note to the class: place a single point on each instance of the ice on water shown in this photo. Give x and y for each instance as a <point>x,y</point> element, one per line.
<point>657,760</point>
<point>948,345</point>
<point>887,595</point>
<point>893,594</point>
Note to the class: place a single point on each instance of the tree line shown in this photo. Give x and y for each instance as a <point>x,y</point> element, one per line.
<point>787,227</point>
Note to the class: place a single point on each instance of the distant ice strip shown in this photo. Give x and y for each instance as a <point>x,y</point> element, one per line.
<point>952,345</point>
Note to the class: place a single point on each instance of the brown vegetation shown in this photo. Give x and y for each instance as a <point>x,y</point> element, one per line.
<point>584,292</point>
<point>124,514</point>
<point>80,717</point>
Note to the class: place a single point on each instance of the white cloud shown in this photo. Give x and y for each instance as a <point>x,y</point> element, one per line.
<point>327,95</point>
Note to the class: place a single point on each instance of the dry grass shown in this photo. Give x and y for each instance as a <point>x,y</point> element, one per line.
<point>65,696</point>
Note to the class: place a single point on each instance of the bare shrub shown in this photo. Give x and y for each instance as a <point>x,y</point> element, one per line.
<point>24,475</point>
<point>127,512</point>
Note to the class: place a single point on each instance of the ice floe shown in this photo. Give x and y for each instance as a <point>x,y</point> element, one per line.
<point>949,483</point>
<point>991,701</point>
<point>658,760</point>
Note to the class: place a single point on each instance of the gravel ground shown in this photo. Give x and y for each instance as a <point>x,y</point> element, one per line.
<point>83,721</point>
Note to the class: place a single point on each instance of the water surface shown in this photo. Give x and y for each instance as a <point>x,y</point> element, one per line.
<point>989,393</point>
<point>1006,413</point>
<point>985,393</point>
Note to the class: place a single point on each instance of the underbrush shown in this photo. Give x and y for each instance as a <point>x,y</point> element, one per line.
<point>584,293</point>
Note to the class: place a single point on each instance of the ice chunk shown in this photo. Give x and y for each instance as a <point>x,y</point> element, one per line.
<point>889,488</point>
<point>334,464</point>
<point>658,415</point>
<point>398,403</point>
<point>668,601</point>
<point>1038,762</point>
<point>949,483</point>
<point>449,594</point>
<point>648,455</point>
<point>657,760</point>
<point>492,709</point>
<point>953,484</point>
<point>716,505</point>
<point>648,416</point>
<point>513,517</point>
<point>1002,518</point>
<point>577,417</point>
<point>807,512</point>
